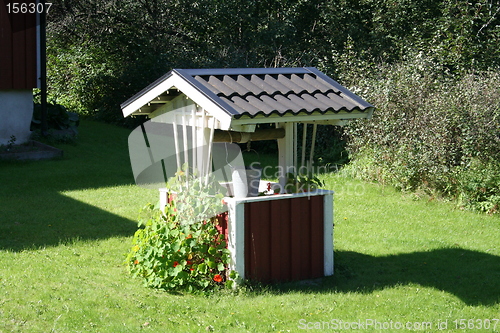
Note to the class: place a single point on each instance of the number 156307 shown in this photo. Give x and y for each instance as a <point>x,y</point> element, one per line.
<point>28,8</point>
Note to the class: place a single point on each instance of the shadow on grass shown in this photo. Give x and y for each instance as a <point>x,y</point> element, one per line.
<point>33,211</point>
<point>472,276</point>
<point>68,220</point>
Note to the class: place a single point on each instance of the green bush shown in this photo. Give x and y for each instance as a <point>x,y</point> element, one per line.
<point>180,248</point>
<point>430,131</point>
<point>480,186</point>
<point>58,117</point>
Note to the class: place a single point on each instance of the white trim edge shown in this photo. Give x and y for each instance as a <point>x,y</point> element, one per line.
<point>328,234</point>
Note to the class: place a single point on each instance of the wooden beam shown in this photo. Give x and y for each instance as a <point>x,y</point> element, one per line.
<point>162,99</point>
<point>299,118</point>
<point>241,137</point>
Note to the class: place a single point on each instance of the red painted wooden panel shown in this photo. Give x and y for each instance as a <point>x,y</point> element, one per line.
<point>280,229</point>
<point>5,48</point>
<point>258,261</point>
<point>31,54</point>
<point>221,225</point>
<point>18,52</point>
<point>295,238</point>
<point>18,49</point>
<point>284,239</point>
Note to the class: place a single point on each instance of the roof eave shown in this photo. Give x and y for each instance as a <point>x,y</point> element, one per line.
<point>187,85</point>
<point>301,117</point>
<point>147,94</point>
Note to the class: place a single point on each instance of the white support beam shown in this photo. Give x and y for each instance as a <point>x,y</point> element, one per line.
<point>328,217</point>
<point>236,235</point>
<point>176,142</point>
<point>209,154</point>
<point>185,140</point>
<point>313,142</point>
<point>194,145</point>
<point>285,152</point>
<point>295,144</point>
<point>203,141</point>
<point>243,128</point>
<point>304,140</point>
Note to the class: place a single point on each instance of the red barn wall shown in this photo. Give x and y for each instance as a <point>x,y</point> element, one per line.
<point>18,49</point>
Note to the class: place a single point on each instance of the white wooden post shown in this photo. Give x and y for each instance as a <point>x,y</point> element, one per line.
<point>304,139</point>
<point>328,234</point>
<point>295,145</point>
<point>209,153</point>
<point>185,140</point>
<point>313,142</point>
<point>285,151</point>
<point>236,235</point>
<point>204,141</point>
<point>194,144</point>
<point>176,142</point>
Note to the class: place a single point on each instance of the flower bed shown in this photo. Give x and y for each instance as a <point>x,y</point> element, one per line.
<point>32,150</point>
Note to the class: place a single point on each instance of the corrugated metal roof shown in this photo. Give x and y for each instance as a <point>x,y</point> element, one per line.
<point>253,92</point>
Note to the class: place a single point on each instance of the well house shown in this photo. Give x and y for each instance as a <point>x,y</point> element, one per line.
<point>279,237</point>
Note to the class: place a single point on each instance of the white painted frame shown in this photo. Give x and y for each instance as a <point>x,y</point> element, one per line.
<point>185,86</point>
<point>236,228</point>
<point>328,240</point>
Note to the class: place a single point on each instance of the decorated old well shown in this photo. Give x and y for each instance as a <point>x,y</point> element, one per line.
<point>197,117</point>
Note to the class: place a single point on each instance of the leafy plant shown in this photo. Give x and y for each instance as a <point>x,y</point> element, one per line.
<point>62,124</point>
<point>180,248</point>
<point>302,183</point>
<point>480,187</point>
<point>57,117</point>
<point>197,198</point>
<point>11,142</point>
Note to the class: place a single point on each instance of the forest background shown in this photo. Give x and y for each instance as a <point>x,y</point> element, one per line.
<point>431,68</point>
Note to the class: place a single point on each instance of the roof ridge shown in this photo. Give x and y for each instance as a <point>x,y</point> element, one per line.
<point>245,71</point>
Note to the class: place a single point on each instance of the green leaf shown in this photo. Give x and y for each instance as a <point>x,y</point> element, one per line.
<point>202,268</point>
<point>176,246</point>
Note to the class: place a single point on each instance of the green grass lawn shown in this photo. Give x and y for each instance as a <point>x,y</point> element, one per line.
<point>65,226</point>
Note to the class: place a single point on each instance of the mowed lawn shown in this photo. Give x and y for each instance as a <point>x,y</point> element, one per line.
<point>402,263</point>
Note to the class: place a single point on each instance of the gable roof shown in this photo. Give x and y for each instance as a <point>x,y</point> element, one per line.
<point>242,93</point>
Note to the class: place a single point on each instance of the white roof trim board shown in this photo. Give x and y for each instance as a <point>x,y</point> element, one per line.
<point>242,96</point>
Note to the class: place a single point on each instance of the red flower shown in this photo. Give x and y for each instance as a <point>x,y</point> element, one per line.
<point>176,263</point>
<point>189,263</point>
<point>136,262</point>
<point>217,278</point>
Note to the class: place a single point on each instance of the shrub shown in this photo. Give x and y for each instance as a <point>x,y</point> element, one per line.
<point>61,124</point>
<point>480,186</point>
<point>180,248</point>
<point>430,131</point>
